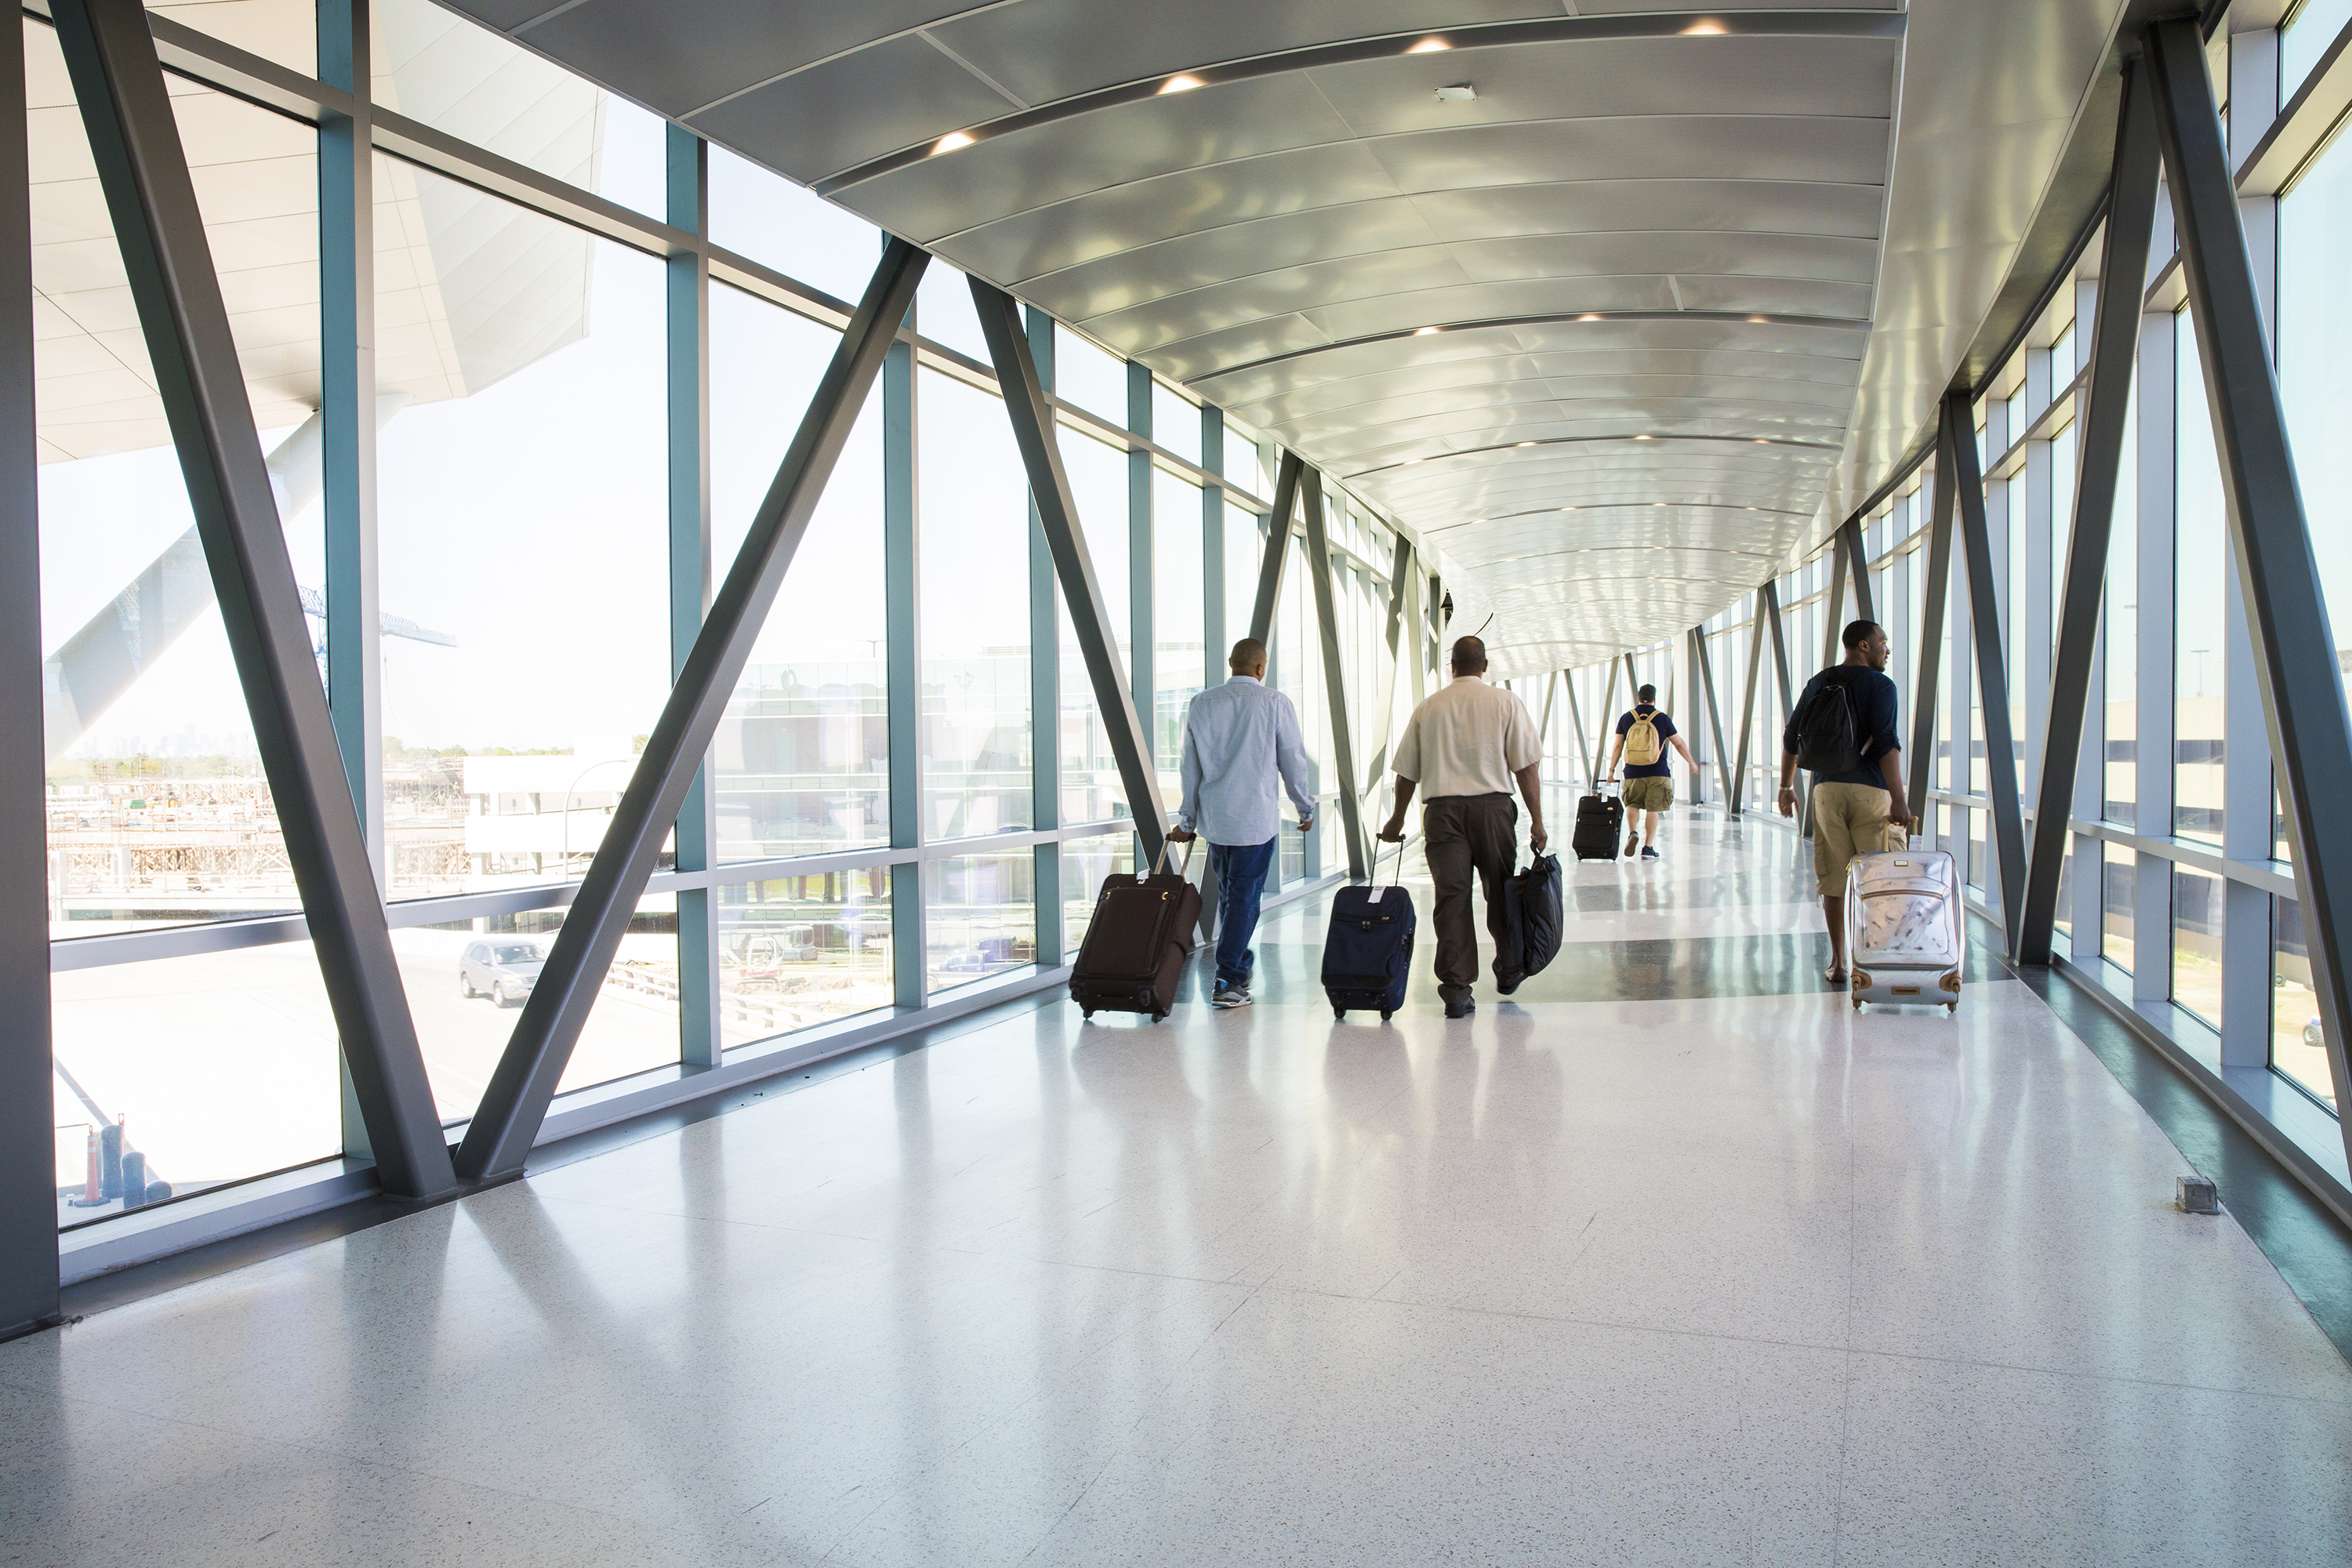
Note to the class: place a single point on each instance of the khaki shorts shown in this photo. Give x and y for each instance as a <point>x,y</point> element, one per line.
<point>1652,793</point>
<point>1849,819</point>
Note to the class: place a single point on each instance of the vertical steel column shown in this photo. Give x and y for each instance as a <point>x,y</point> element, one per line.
<point>1033,430</point>
<point>1278,550</point>
<point>1384,717</point>
<point>1608,720</point>
<point>1335,685</point>
<point>1144,679</point>
<point>347,418</point>
<point>1993,672</point>
<point>1936,592</point>
<point>903,675</point>
<point>1736,795</point>
<point>524,1081</point>
<point>347,424</point>
<point>1771,592</point>
<point>1576,723</point>
<point>2155,720</point>
<point>1705,663</point>
<point>28,1194</point>
<point>135,143</point>
<point>1214,644</point>
<point>1045,688</point>
<point>687,182</point>
<point>2131,213</point>
<point>2303,687</point>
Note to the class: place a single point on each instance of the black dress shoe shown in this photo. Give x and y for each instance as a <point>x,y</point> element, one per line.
<point>1462,1009</point>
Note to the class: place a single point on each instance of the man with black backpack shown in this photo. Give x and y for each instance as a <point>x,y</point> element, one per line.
<point>1844,732</point>
<point>1643,733</point>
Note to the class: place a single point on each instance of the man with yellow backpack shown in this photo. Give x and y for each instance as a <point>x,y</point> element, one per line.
<point>1643,736</point>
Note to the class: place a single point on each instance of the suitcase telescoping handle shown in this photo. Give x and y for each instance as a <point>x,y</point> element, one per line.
<point>1183,867</point>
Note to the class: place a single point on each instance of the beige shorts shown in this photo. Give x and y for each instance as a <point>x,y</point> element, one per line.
<point>1652,793</point>
<point>1849,819</point>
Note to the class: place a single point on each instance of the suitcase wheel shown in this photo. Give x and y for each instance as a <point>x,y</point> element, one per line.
<point>1341,1013</point>
<point>1951,1008</point>
<point>1090,1016</point>
<point>1159,1017</point>
<point>1384,1015</point>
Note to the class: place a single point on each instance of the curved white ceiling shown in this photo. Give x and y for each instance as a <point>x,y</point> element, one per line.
<point>1618,331</point>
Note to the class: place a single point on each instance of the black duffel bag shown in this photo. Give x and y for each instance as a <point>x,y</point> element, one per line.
<point>1531,903</point>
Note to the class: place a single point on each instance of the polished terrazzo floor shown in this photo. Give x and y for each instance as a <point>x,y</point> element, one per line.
<point>1670,1260</point>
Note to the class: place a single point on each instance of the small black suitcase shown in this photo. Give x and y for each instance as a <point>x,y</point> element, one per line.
<point>1599,819</point>
<point>1133,956</point>
<point>1368,947</point>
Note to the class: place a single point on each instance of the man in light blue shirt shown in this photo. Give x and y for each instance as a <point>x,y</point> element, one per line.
<point>1238,738</point>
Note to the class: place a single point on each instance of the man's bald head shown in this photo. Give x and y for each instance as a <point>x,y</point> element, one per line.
<point>1248,659</point>
<point>1469,657</point>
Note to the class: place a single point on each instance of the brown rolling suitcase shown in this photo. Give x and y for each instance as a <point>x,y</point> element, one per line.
<point>1134,952</point>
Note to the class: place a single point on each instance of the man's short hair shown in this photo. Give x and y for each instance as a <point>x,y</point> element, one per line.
<point>1469,656</point>
<point>1647,694</point>
<point>1856,633</point>
<point>1249,653</point>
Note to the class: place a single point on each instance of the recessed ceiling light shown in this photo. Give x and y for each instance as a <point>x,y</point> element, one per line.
<point>1706,28</point>
<point>1179,84</point>
<point>1758,319</point>
<point>1526,443</point>
<point>1641,437</point>
<point>1588,316</point>
<point>1457,92</point>
<point>1426,332</point>
<point>1762,442</point>
<point>1409,462</point>
<point>1429,46</point>
<point>950,142</point>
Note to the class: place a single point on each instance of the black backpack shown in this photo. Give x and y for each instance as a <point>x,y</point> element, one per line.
<point>1826,741</point>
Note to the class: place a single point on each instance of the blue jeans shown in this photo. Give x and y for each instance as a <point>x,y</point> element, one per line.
<point>1241,881</point>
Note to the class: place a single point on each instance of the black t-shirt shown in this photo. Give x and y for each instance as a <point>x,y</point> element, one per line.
<point>1875,721</point>
<point>1666,727</point>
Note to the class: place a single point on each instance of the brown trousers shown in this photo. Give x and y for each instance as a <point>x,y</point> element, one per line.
<point>1463,833</point>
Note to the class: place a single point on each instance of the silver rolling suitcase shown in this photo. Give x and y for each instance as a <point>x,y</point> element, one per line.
<point>1902,938</point>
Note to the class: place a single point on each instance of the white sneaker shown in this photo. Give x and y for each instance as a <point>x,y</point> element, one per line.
<point>1229,998</point>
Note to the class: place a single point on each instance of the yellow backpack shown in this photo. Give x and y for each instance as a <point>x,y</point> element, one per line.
<point>1643,746</point>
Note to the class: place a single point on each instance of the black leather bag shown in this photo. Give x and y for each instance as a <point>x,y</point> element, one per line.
<point>1531,903</point>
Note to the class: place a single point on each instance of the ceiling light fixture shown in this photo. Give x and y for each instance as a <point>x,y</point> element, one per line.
<point>1429,46</point>
<point>1706,28</point>
<point>1457,92</point>
<point>1589,318</point>
<point>950,142</point>
<point>1179,84</point>
<point>1526,443</point>
<point>1427,331</point>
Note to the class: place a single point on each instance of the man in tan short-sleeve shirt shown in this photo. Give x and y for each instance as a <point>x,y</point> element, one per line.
<point>1464,749</point>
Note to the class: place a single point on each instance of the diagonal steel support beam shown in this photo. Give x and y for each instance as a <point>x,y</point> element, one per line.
<point>1771,592</point>
<point>1737,795</point>
<point>524,1082</point>
<point>2270,534</point>
<point>1278,549</point>
<point>1057,514</point>
<point>1959,455</point>
<point>1327,619</point>
<point>1857,567</point>
<point>1384,717</point>
<point>1608,719</point>
<point>1705,664</point>
<point>111,55</point>
<point>2114,342</point>
<point>1937,588</point>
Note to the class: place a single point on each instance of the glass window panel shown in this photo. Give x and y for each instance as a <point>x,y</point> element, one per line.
<point>2197,943</point>
<point>2016,613</point>
<point>2314,352</point>
<point>1245,545</point>
<point>1175,422</point>
<point>217,1066</point>
<point>798,951</point>
<point>766,218</point>
<point>2305,37</point>
<point>435,67</point>
<point>453,974</point>
<point>2298,1041</point>
<point>975,584</point>
<point>1978,864</point>
<point>2118,893</point>
<point>2201,577</point>
<point>801,761</point>
<point>1086,864</point>
<point>981,917</point>
<point>1242,464</point>
<point>1179,662</point>
<point>1091,790</point>
<point>2063,922</point>
<point>1086,375</point>
<point>2119,628</point>
<point>554,565</point>
<point>2062,363</point>
<point>944,312</point>
<point>159,813</point>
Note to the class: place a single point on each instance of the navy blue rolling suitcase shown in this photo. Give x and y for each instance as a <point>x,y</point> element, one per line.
<point>1368,950</point>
